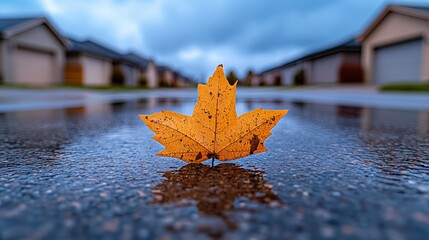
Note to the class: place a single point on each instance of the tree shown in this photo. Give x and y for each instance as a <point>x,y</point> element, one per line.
<point>143,81</point>
<point>299,78</point>
<point>232,77</point>
<point>248,79</point>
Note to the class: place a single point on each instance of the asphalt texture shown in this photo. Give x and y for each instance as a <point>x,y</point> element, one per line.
<point>331,172</point>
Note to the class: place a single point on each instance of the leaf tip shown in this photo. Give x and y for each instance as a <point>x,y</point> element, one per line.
<point>284,112</point>
<point>234,86</point>
<point>143,117</point>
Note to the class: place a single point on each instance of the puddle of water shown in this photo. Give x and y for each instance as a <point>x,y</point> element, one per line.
<point>214,190</point>
<point>331,171</point>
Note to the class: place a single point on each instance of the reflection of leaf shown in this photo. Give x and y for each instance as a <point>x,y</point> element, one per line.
<point>214,189</point>
<point>213,130</point>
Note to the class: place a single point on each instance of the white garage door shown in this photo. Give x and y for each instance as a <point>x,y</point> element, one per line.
<point>398,63</point>
<point>33,67</point>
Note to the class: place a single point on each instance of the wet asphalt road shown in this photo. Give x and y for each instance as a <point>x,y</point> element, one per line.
<point>331,172</point>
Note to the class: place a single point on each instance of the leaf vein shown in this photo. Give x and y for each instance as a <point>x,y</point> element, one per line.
<point>243,136</point>
<point>184,135</point>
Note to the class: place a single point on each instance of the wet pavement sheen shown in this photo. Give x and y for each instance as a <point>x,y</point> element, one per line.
<point>330,172</point>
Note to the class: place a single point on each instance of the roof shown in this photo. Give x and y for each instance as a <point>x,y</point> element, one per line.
<point>8,23</point>
<point>351,45</point>
<point>185,79</point>
<point>137,59</point>
<point>92,48</point>
<point>12,26</point>
<point>417,11</point>
<point>417,7</point>
<point>161,69</point>
<point>97,49</point>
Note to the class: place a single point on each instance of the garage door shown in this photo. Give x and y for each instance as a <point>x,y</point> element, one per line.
<point>33,67</point>
<point>398,63</point>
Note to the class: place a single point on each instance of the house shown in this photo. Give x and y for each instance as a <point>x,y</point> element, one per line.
<point>87,65</point>
<point>395,46</point>
<point>152,75</point>
<point>166,76</point>
<point>31,52</point>
<point>337,64</point>
<point>182,81</point>
<point>256,80</point>
<point>148,74</point>
<point>131,72</point>
<point>91,64</point>
<point>169,77</point>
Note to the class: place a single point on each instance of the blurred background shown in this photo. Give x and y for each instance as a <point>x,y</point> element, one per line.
<point>188,39</point>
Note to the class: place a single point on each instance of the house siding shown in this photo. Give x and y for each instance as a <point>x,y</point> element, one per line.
<point>4,61</point>
<point>290,72</point>
<point>152,75</point>
<point>254,81</point>
<point>325,69</point>
<point>131,75</point>
<point>270,77</point>
<point>96,72</point>
<point>169,77</point>
<point>38,39</point>
<point>319,70</point>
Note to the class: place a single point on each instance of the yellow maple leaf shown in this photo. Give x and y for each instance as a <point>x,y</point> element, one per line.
<point>213,130</point>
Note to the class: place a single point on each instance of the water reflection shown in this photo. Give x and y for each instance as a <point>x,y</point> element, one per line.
<point>153,103</point>
<point>252,103</point>
<point>349,112</point>
<point>370,119</point>
<point>214,189</point>
<point>388,119</point>
<point>49,130</point>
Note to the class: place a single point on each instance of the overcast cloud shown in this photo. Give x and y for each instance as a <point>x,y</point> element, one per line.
<point>194,36</point>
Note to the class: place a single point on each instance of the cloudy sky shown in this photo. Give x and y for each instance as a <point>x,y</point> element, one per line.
<point>194,36</point>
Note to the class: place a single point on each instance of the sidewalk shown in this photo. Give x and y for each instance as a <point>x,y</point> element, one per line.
<point>360,97</point>
<point>12,100</point>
